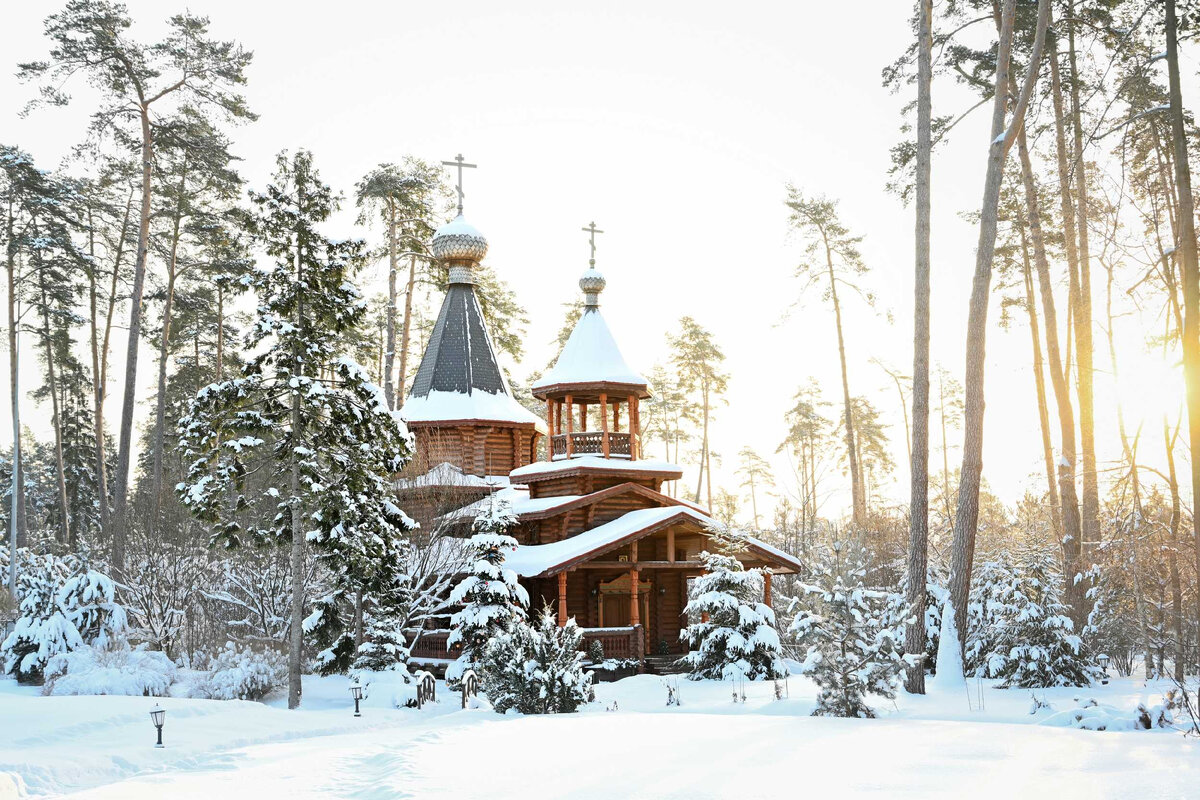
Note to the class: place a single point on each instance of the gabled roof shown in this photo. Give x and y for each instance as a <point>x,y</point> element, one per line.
<point>538,560</point>
<point>460,377</point>
<point>537,509</point>
<point>590,356</point>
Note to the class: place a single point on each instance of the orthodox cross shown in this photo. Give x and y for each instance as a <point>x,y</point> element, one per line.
<point>591,230</point>
<point>460,164</point>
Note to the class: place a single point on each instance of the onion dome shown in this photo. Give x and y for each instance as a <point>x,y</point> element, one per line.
<point>460,246</point>
<point>592,283</point>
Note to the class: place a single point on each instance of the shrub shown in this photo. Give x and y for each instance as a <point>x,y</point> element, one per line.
<point>116,669</point>
<point>238,673</point>
<point>537,670</point>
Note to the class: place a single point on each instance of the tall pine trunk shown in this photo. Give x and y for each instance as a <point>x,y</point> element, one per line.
<point>60,472</point>
<point>296,626</point>
<point>406,332</point>
<point>918,526</point>
<point>164,349</point>
<point>966,517</point>
<point>389,355</point>
<point>16,527</point>
<point>1189,268</point>
<point>1082,315</point>
<point>1071,535</point>
<point>1039,384</point>
<point>129,399</point>
<point>858,502</point>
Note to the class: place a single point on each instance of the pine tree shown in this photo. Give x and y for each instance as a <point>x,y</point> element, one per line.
<point>850,650</point>
<point>990,608</point>
<point>738,639</point>
<point>755,473</point>
<point>536,670</point>
<point>492,601</point>
<point>301,449</point>
<point>697,359</point>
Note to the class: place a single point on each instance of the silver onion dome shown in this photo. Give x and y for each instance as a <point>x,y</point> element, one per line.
<point>592,283</point>
<point>461,245</point>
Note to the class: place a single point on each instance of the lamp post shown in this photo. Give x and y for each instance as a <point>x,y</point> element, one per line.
<point>1103,660</point>
<point>356,693</point>
<point>158,716</point>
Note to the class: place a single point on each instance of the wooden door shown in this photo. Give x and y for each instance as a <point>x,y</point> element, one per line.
<point>616,610</point>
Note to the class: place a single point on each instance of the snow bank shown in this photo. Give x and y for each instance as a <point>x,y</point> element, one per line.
<point>114,670</point>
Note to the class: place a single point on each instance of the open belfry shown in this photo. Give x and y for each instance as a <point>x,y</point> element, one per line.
<point>598,539</point>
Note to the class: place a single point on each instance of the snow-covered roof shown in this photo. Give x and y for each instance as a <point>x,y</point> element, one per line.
<point>518,498</point>
<point>447,474</point>
<point>531,560</point>
<point>594,462</point>
<point>590,355</point>
<point>438,406</point>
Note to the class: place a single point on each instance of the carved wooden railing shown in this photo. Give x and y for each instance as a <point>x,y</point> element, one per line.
<point>591,443</point>
<point>623,642</point>
<point>431,644</point>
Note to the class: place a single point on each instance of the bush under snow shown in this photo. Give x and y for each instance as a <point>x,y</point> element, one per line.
<point>117,669</point>
<point>238,673</point>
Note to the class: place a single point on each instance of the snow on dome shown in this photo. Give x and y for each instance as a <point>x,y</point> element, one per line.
<point>442,406</point>
<point>459,240</point>
<point>590,355</point>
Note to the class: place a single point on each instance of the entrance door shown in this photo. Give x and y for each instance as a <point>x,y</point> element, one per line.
<point>616,610</point>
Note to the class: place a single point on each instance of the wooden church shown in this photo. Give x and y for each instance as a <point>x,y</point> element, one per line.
<point>598,539</point>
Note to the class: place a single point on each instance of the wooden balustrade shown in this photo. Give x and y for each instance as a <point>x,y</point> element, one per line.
<point>591,443</point>
<point>624,642</point>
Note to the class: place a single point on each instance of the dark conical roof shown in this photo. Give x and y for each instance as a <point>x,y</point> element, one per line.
<point>460,377</point>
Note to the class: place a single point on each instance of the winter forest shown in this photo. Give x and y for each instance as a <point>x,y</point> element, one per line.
<point>891,485</point>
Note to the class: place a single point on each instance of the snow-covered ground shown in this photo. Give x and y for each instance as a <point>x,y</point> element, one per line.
<point>707,747</point>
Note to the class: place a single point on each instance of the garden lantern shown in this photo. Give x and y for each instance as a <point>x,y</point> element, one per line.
<point>356,693</point>
<point>158,716</point>
<point>1103,661</point>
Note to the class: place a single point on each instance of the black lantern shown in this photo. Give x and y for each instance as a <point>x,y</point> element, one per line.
<point>1103,660</point>
<point>356,693</point>
<point>158,716</point>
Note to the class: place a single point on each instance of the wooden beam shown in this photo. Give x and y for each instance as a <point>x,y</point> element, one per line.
<point>562,599</point>
<point>680,565</point>
<point>767,588</point>
<point>604,423</point>
<point>570,425</point>
<point>635,429</point>
<point>671,544</point>
<point>635,613</point>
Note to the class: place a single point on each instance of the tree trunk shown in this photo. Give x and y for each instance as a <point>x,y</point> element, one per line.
<point>1173,551</point>
<point>164,346</point>
<point>1084,348</point>
<point>296,627</point>
<point>60,471</point>
<point>129,400</point>
<point>1188,267</point>
<point>16,534</point>
<point>1071,536</point>
<point>407,329</point>
<point>918,457</point>
<point>389,356</point>
<point>1039,380</point>
<point>966,516</point>
<point>858,502</point>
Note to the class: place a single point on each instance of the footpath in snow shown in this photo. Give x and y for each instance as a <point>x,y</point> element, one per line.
<point>707,747</point>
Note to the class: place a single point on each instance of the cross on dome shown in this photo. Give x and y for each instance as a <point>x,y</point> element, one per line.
<point>460,165</point>
<point>592,230</point>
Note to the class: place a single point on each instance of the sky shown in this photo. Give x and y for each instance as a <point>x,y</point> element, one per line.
<point>676,127</point>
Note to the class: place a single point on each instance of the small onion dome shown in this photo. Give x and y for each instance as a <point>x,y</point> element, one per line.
<point>592,283</point>
<point>459,241</point>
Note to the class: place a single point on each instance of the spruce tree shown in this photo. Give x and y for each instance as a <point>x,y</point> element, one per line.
<point>850,650</point>
<point>492,601</point>
<point>738,639</point>
<point>536,670</point>
<point>302,447</point>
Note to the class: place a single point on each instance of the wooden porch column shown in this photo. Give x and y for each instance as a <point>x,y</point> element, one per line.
<point>583,423</point>
<point>604,423</point>
<point>670,544</point>
<point>562,599</point>
<point>767,588</point>
<point>635,613</point>
<point>635,429</point>
<point>616,415</point>
<point>570,425</point>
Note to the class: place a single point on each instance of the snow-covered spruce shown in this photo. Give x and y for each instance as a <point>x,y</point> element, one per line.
<point>241,673</point>
<point>850,652</point>
<point>492,601</point>
<point>988,612</point>
<point>64,606</point>
<point>738,639</point>
<point>1036,645</point>
<point>536,670</point>
<point>304,420</point>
